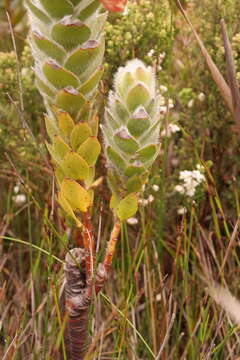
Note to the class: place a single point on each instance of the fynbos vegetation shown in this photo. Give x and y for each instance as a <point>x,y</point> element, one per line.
<point>119,171</point>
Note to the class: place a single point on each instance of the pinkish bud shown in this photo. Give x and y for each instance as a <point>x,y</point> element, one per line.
<point>114,5</point>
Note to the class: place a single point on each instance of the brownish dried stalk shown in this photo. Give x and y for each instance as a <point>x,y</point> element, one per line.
<point>232,75</point>
<point>78,289</point>
<point>217,76</point>
<point>76,305</point>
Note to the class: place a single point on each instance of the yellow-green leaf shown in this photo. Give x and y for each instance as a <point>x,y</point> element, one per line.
<point>114,201</point>
<point>70,100</point>
<point>60,148</point>
<point>59,175</point>
<point>76,195</point>
<point>51,127</point>
<point>135,183</point>
<point>79,134</point>
<point>65,122</point>
<point>91,195</point>
<point>127,207</point>
<point>67,208</point>
<point>89,180</point>
<point>74,166</point>
<point>90,150</point>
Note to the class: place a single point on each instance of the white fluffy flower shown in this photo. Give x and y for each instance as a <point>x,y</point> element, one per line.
<point>132,221</point>
<point>25,71</point>
<point>171,129</point>
<point>182,210</point>
<point>161,57</point>
<point>190,103</point>
<point>170,104</point>
<point>20,199</point>
<point>150,199</point>
<point>16,189</point>
<point>180,189</point>
<point>145,202</point>
<point>200,167</point>
<point>163,88</point>
<point>163,110</point>
<point>201,96</point>
<point>190,179</point>
<point>125,12</point>
<point>155,187</point>
<point>150,53</point>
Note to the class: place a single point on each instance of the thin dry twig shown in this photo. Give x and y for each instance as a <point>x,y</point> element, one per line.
<point>232,75</point>
<point>217,76</point>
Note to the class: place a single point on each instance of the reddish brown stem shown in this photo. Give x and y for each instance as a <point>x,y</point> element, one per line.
<point>88,245</point>
<point>104,268</point>
<point>76,305</point>
<point>78,288</point>
<point>111,246</point>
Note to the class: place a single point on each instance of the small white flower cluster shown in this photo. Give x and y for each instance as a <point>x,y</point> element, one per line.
<point>170,129</point>
<point>161,57</point>
<point>201,97</point>
<point>25,72</point>
<point>163,89</point>
<point>132,221</point>
<point>125,12</point>
<point>165,105</point>
<point>151,53</point>
<point>190,103</point>
<point>150,198</point>
<point>147,201</point>
<point>191,179</point>
<point>182,210</point>
<point>144,202</point>
<point>19,199</point>
<point>155,188</point>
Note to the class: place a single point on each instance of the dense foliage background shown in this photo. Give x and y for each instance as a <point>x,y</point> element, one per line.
<point>177,244</point>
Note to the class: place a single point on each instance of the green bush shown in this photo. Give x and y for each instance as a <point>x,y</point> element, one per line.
<point>145,30</point>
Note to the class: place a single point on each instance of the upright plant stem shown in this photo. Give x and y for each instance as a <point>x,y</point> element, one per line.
<point>88,245</point>
<point>111,247</point>
<point>79,288</point>
<point>76,305</point>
